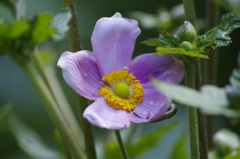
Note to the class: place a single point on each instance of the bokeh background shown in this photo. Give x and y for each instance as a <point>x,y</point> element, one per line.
<point>16,90</point>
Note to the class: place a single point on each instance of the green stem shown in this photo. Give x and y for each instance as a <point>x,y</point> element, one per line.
<point>120,143</point>
<point>210,66</point>
<point>192,112</point>
<point>193,80</point>
<point>48,74</point>
<point>75,45</point>
<point>53,108</point>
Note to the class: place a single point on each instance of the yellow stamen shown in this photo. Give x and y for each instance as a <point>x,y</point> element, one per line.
<point>121,90</point>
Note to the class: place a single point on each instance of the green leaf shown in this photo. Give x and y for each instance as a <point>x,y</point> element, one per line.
<point>5,111</point>
<point>180,149</point>
<point>178,51</point>
<point>235,155</point>
<point>226,141</point>
<point>218,36</point>
<point>30,142</point>
<point>18,28</point>
<point>145,143</point>
<point>169,40</point>
<point>42,29</point>
<point>60,23</point>
<point>212,100</point>
<point>152,42</point>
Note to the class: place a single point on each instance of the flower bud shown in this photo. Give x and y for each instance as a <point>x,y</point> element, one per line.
<point>186,45</point>
<point>226,141</point>
<point>187,32</point>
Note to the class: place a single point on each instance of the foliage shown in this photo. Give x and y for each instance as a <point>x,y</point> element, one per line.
<point>216,37</point>
<point>19,38</point>
<point>139,147</point>
<point>30,142</point>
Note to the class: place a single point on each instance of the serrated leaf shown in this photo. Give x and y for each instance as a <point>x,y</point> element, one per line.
<point>42,29</point>
<point>212,100</point>
<point>168,40</point>
<point>235,155</point>
<point>60,23</point>
<point>218,36</point>
<point>30,142</point>
<point>180,149</point>
<point>139,147</point>
<point>178,51</point>
<point>152,42</point>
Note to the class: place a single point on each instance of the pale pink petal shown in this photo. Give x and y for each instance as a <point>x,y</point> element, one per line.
<point>165,68</point>
<point>113,42</point>
<point>152,107</point>
<point>80,71</point>
<point>104,116</point>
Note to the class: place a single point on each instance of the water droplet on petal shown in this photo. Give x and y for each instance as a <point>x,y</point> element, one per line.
<point>144,112</point>
<point>84,74</point>
<point>151,102</point>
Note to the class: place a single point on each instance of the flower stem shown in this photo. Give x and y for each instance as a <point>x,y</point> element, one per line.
<point>192,112</point>
<point>52,108</point>
<point>120,143</point>
<point>75,45</point>
<point>210,67</point>
<point>47,72</point>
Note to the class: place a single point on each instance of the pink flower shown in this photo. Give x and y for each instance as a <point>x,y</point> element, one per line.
<point>120,86</point>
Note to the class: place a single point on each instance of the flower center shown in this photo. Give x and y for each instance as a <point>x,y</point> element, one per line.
<point>121,90</point>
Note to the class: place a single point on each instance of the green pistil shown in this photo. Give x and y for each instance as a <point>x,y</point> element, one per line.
<point>121,89</point>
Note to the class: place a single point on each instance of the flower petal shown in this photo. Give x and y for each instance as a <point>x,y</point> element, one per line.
<point>152,107</point>
<point>165,68</point>
<point>104,116</point>
<point>113,42</point>
<point>80,71</point>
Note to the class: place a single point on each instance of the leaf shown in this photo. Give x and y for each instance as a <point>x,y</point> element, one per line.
<point>180,149</point>
<point>169,40</point>
<point>42,29</point>
<point>152,42</point>
<point>235,155</point>
<point>60,23</point>
<point>145,143</point>
<point>212,100</point>
<point>5,111</point>
<point>30,142</point>
<point>18,28</point>
<point>178,51</point>
<point>218,36</point>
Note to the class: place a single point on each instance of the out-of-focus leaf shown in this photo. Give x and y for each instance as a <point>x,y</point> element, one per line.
<point>180,149</point>
<point>5,111</point>
<point>212,100</point>
<point>212,154</point>
<point>178,51</point>
<point>229,5</point>
<point>152,42</point>
<point>234,155</point>
<point>60,23</point>
<point>145,143</point>
<point>42,29</point>
<point>30,142</point>
<point>218,36</point>
<point>18,28</point>
<point>226,141</point>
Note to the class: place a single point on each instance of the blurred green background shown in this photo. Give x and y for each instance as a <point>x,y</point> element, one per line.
<point>16,90</point>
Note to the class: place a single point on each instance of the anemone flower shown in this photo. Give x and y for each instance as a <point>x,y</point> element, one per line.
<point>120,86</point>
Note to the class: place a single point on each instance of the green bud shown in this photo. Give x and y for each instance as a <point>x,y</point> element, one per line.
<point>187,32</point>
<point>186,45</point>
<point>226,141</point>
